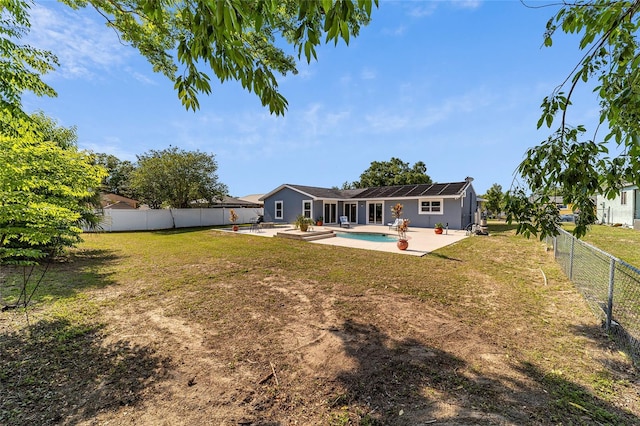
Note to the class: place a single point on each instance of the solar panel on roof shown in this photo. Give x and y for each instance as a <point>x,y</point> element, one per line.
<point>401,191</point>
<point>426,190</point>
<point>388,191</point>
<point>443,190</point>
<point>433,189</point>
<point>417,190</point>
<point>377,192</point>
<point>368,192</point>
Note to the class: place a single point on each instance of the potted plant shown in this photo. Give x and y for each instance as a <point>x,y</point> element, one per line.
<point>302,223</point>
<point>438,227</point>
<point>233,217</point>
<point>319,221</point>
<point>403,226</point>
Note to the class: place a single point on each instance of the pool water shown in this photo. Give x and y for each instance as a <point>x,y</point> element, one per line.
<point>367,236</point>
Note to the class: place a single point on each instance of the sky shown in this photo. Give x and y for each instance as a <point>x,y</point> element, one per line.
<point>454,84</point>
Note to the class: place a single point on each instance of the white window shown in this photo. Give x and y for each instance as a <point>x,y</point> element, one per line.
<point>430,207</point>
<point>279,210</point>
<point>623,198</point>
<point>306,208</point>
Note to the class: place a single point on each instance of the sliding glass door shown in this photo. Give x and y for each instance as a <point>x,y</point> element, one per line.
<point>330,213</point>
<point>350,211</point>
<point>375,213</point>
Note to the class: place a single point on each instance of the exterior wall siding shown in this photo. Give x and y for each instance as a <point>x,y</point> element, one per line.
<point>469,210</point>
<point>452,213</point>
<point>318,207</point>
<point>362,212</point>
<point>613,211</point>
<point>292,206</point>
<point>456,212</point>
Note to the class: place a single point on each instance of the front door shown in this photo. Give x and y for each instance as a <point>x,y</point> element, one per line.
<point>375,213</point>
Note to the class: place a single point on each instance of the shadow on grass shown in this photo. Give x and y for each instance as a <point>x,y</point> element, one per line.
<point>62,278</point>
<point>442,256</point>
<point>618,339</point>
<point>61,372</point>
<point>177,231</point>
<point>500,227</point>
<point>403,382</point>
<point>571,403</point>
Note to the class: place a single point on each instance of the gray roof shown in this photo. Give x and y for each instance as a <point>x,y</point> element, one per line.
<point>326,192</point>
<point>228,201</point>
<point>251,198</point>
<point>397,191</point>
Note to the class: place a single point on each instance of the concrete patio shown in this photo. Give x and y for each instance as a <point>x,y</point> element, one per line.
<point>421,240</point>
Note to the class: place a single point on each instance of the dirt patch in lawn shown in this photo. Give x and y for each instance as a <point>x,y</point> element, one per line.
<point>214,338</point>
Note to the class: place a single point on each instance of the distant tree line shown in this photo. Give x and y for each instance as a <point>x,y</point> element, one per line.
<point>171,177</point>
<point>389,173</point>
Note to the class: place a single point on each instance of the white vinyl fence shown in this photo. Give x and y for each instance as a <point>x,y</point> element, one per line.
<point>150,220</point>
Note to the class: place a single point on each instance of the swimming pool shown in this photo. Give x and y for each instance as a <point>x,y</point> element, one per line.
<point>368,236</point>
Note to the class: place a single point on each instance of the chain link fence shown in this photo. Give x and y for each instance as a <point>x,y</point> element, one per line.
<point>610,286</point>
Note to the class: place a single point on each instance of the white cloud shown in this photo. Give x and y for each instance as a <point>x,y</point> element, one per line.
<point>346,80</point>
<point>142,78</point>
<point>425,9</point>
<point>368,74</point>
<point>408,116</point>
<point>110,145</point>
<point>467,4</point>
<point>396,32</point>
<point>422,11</point>
<point>84,47</point>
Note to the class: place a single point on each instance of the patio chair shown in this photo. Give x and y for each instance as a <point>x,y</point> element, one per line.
<point>256,224</point>
<point>344,221</point>
<point>395,224</point>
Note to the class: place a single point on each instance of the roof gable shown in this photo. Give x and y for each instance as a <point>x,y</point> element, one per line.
<point>316,192</point>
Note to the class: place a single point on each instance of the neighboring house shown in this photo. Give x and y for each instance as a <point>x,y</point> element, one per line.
<point>114,201</point>
<point>252,198</point>
<point>624,209</point>
<point>424,205</point>
<point>563,208</point>
<point>236,203</point>
<point>227,202</point>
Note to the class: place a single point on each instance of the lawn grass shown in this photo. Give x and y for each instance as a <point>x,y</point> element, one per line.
<point>496,331</point>
<point>623,243</point>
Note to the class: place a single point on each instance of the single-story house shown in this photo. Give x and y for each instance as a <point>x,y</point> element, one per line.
<point>624,209</point>
<point>236,203</point>
<point>454,204</point>
<point>563,208</point>
<point>252,198</point>
<point>227,202</point>
<point>115,201</point>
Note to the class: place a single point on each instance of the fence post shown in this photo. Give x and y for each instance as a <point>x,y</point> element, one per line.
<point>573,242</point>
<point>555,246</point>
<point>612,270</point>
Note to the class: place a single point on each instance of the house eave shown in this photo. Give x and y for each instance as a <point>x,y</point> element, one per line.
<point>288,186</point>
